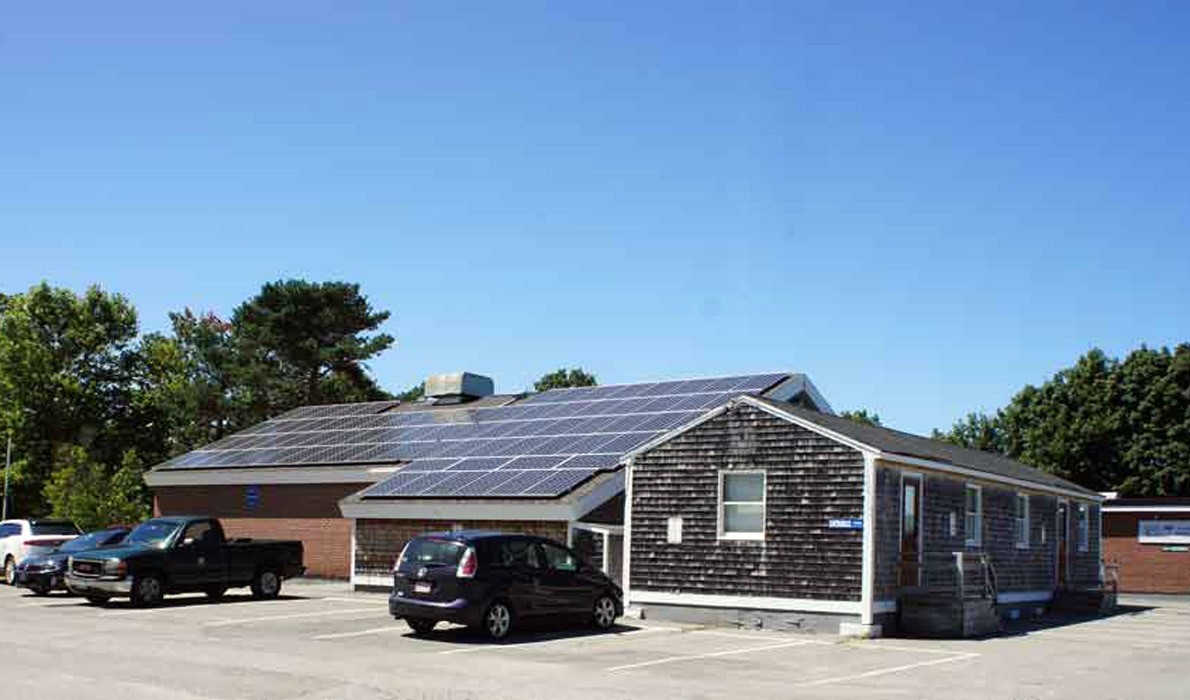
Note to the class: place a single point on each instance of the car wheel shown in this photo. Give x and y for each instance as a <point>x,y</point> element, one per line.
<point>147,591</point>
<point>10,571</point>
<point>97,600</point>
<point>421,626</point>
<point>266,584</point>
<point>604,612</point>
<point>497,621</point>
<point>215,593</point>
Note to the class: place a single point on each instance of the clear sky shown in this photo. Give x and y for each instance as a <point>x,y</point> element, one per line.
<point>924,208</point>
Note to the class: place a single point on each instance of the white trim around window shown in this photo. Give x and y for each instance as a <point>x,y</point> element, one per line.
<point>724,505</point>
<point>1021,534</point>
<point>973,520</point>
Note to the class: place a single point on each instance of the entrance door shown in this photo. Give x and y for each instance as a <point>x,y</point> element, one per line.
<point>1061,541</point>
<point>910,530</point>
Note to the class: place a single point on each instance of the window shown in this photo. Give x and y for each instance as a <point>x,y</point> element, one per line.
<point>973,524</point>
<point>52,527</point>
<point>741,505</point>
<point>519,554</point>
<point>952,524</point>
<point>1082,527</point>
<point>559,559</point>
<point>197,532</point>
<point>1021,521</point>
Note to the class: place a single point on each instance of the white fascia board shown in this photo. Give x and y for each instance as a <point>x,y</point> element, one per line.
<point>917,461</point>
<point>1024,597</point>
<point>356,474</point>
<point>702,600</point>
<point>463,510</point>
<point>1146,509</point>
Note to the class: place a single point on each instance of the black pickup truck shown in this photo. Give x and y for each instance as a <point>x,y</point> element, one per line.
<point>182,555</point>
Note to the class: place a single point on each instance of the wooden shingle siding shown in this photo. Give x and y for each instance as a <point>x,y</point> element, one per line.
<point>809,480</point>
<point>1019,570</point>
<point>888,529</point>
<point>1084,566</point>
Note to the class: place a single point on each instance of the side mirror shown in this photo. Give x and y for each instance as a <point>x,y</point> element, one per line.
<point>188,542</point>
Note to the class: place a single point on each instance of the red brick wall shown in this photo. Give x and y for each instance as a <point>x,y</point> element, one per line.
<point>306,512</point>
<point>1144,568</point>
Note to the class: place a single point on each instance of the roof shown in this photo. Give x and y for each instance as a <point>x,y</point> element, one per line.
<point>895,442</point>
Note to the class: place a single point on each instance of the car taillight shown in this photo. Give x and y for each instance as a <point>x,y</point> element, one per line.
<point>397,563</point>
<point>468,564</point>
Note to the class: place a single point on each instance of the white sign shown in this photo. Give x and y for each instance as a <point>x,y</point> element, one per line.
<point>673,530</point>
<point>1164,532</point>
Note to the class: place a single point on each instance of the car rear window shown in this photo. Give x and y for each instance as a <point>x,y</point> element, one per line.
<point>53,528</point>
<point>428,551</point>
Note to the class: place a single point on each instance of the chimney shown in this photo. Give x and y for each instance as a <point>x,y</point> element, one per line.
<point>458,387</point>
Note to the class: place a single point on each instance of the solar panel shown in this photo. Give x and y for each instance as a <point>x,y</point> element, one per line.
<point>543,445</point>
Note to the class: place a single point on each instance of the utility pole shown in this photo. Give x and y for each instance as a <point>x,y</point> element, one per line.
<point>7,464</point>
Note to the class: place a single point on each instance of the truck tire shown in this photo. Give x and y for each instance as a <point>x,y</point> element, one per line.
<point>10,571</point>
<point>147,591</point>
<point>266,585</point>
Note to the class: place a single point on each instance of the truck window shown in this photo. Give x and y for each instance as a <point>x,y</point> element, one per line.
<point>199,532</point>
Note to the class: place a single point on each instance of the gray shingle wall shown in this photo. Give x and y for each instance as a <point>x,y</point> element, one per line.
<point>888,529</point>
<point>809,480</point>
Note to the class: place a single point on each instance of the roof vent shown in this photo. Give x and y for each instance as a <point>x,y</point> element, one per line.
<point>458,387</point>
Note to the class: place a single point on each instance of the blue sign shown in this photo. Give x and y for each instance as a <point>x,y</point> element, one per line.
<point>252,497</point>
<point>846,524</point>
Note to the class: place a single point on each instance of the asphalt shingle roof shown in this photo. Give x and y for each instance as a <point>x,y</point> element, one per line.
<point>910,445</point>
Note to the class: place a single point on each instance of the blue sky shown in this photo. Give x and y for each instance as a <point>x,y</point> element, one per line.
<point>924,209</point>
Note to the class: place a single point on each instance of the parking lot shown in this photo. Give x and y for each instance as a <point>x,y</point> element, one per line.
<point>322,641</point>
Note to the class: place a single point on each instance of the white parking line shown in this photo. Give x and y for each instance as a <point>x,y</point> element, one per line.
<point>294,616</point>
<point>695,657</point>
<point>361,633</point>
<point>559,640</point>
<point>887,671</point>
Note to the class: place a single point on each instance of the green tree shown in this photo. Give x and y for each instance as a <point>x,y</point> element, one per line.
<point>67,366</point>
<point>564,378</point>
<point>413,393</point>
<point>862,415</point>
<point>94,495</point>
<point>1106,424</point>
<point>302,343</point>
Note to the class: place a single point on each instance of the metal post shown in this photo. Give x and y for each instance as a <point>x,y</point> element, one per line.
<point>7,464</point>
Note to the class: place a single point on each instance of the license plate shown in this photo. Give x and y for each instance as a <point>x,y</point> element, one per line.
<point>421,587</point>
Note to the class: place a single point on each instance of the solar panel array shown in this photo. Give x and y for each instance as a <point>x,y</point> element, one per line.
<point>541,446</point>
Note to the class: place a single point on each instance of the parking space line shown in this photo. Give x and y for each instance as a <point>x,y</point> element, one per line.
<point>559,640</point>
<point>887,671</point>
<point>294,616</point>
<point>362,633</point>
<point>708,655</point>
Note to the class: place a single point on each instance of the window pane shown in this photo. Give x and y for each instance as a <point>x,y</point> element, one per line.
<point>743,518</point>
<point>743,487</point>
<point>559,559</point>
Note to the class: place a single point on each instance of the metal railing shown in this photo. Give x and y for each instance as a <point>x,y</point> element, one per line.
<point>961,575</point>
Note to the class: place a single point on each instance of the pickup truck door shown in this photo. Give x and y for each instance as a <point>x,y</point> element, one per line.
<point>198,557</point>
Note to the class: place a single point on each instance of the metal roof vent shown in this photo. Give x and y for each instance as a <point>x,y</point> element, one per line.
<point>458,387</point>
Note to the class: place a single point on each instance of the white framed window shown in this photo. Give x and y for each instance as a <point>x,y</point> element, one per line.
<point>973,523</point>
<point>1021,521</point>
<point>741,505</point>
<point>1082,527</point>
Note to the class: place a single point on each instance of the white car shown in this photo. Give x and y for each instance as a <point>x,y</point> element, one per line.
<point>26,538</point>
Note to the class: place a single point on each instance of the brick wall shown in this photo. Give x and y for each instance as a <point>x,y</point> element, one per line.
<point>379,542</point>
<point>1144,568</point>
<point>306,512</point>
<point>326,541</point>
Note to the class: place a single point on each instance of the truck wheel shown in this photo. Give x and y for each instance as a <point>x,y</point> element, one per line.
<point>266,584</point>
<point>215,593</point>
<point>421,627</point>
<point>147,591</point>
<point>10,571</point>
<point>97,600</point>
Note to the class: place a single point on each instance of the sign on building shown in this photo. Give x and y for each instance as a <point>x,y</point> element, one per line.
<point>1164,532</point>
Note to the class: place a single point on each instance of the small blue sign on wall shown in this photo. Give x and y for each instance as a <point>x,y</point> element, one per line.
<point>252,497</point>
<point>845,524</point>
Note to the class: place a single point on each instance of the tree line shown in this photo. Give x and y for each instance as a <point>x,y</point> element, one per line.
<point>91,403</point>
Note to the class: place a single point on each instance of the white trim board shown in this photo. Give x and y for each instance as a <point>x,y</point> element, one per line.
<point>1146,509</point>
<point>702,600</point>
<point>350,474</point>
